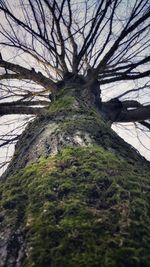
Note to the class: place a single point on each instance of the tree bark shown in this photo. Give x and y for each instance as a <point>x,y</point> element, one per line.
<point>75,194</point>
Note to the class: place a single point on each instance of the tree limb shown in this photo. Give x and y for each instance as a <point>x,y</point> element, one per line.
<point>123,77</point>
<point>133,115</point>
<point>7,110</point>
<point>23,73</point>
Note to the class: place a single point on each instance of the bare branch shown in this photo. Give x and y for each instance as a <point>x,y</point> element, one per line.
<point>23,73</point>
<point>133,115</point>
<point>6,110</point>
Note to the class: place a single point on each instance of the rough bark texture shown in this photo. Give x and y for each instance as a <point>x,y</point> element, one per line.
<point>75,194</point>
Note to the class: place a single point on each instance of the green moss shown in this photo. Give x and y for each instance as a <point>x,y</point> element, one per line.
<point>62,105</point>
<point>101,134</point>
<point>83,207</point>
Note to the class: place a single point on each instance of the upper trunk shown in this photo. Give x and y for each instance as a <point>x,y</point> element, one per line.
<point>75,193</point>
<point>71,120</point>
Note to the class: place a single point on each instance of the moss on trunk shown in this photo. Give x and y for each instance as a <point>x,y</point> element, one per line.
<point>82,198</point>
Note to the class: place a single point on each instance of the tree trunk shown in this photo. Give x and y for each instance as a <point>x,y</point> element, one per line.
<point>75,193</point>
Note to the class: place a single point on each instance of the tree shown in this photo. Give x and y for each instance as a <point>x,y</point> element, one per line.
<point>75,194</point>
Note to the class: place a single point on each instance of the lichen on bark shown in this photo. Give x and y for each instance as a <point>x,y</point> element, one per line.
<point>77,194</point>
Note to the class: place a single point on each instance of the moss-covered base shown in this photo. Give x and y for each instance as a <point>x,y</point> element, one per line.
<point>83,207</point>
